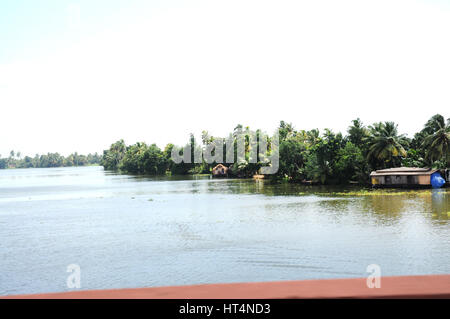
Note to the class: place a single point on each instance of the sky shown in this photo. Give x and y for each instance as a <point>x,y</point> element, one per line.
<point>79,75</point>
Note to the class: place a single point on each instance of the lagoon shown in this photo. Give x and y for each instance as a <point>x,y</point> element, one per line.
<point>131,231</point>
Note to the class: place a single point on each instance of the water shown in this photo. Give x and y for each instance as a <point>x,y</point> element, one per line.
<point>126,231</point>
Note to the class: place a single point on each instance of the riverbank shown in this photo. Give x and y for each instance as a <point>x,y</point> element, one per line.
<point>430,286</point>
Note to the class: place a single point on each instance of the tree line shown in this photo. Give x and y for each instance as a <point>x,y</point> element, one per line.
<point>326,158</point>
<point>15,160</point>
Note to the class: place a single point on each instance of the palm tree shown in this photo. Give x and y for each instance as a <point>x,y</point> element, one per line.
<point>386,146</point>
<point>437,144</point>
<point>312,136</point>
<point>434,124</point>
<point>286,130</point>
<point>357,133</point>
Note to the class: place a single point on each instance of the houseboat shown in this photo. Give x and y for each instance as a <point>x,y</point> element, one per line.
<point>407,177</point>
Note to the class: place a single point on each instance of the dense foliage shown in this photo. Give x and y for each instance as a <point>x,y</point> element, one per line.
<point>15,160</point>
<point>327,158</point>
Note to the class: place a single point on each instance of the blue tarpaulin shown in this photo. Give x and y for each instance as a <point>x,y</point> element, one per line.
<point>437,180</point>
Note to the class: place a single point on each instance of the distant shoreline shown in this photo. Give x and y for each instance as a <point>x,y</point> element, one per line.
<point>89,165</point>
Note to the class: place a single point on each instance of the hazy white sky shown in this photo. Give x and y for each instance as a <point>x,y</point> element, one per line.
<point>79,75</point>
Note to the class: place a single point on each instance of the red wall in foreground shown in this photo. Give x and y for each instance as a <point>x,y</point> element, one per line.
<point>433,286</point>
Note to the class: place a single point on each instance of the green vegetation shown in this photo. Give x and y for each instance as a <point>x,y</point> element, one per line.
<point>48,160</point>
<point>437,140</point>
<point>386,147</point>
<point>327,158</point>
<point>384,192</point>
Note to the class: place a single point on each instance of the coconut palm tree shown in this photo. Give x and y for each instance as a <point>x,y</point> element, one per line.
<point>434,124</point>
<point>437,144</point>
<point>386,146</point>
<point>313,136</point>
<point>357,133</point>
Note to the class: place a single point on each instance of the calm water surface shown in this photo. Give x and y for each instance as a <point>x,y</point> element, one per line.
<point>126,231</point>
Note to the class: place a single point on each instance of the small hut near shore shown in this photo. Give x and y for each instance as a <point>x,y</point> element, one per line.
<point>220,170</point>
<point>404,177</point>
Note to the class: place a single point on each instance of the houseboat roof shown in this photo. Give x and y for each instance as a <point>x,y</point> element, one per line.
<point>404,171</point>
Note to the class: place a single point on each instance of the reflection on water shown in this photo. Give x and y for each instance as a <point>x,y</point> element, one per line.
<point>135,231</point>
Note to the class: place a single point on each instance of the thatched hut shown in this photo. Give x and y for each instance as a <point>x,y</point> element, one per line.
<point>220,170</point>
